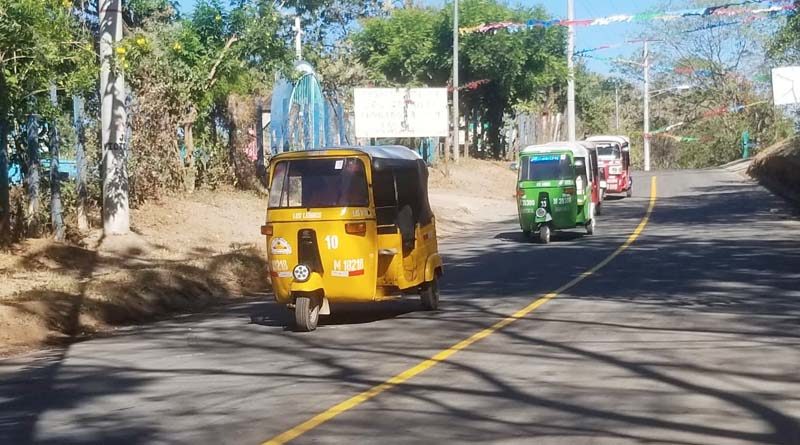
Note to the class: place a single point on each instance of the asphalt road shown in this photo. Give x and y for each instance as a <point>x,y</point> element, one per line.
<point>689,336</point>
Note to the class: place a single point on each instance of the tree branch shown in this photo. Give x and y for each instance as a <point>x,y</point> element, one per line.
<point>212,74</point>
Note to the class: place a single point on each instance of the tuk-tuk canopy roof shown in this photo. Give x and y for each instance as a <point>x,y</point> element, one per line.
<point>623,141</point>
<point>575,147</point>
<point>393,152</point>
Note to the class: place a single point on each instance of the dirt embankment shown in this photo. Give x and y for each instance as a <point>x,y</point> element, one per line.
<point>473,194</point>
<point>186,254</point>
<point>777,169</point>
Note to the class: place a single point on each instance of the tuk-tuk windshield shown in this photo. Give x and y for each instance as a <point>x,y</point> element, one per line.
<point>546,167</point>
<point>321,182</point>
<point>609,151</point>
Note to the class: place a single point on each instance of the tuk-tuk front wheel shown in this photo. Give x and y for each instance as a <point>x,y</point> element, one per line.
<point>306,313</point>
<point>590,226</point>
<point>429,294</point>
<point>544,234</point>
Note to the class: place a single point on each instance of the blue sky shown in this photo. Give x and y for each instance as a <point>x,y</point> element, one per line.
<point>586,37</point>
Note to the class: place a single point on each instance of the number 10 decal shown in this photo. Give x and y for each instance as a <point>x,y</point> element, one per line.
<point>332,241</point>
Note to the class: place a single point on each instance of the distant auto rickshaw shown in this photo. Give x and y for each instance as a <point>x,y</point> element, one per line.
<point>556,189</point>
<point>599,183</point>
<point>352,225</point>
<point>614,154</point>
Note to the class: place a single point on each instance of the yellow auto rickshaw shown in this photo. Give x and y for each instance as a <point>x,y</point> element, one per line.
<point>350,224</point>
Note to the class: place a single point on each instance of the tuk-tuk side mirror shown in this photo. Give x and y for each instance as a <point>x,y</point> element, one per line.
<point>514,166</point>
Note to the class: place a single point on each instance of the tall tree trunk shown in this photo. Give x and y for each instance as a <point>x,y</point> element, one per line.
<point>33,174</point>
<point>80,163</point>
<point>55,185</point>
<point>56,213</point>
<point>190,172</point>
<point>5,203</point>
<point>232,152</point>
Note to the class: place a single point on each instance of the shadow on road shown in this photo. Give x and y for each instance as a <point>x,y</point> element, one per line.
<point>704,310</point>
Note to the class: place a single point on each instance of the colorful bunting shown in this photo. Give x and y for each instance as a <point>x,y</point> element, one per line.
<point>471,86</point>
<point>726,10</point>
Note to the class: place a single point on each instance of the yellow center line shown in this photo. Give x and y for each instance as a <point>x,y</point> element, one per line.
<point>443,355</point>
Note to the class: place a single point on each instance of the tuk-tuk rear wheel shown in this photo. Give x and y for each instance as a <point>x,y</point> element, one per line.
<point>544,234</point>
<point>590,226</point>
<point>429,294</point>
<point>306,313</point>
<point>629,192</point>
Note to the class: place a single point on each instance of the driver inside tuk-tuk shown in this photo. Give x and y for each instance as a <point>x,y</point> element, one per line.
<point>609,151</point>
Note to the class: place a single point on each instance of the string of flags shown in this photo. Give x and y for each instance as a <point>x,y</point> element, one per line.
<point>665,131</point>
<point>724,10</point>
<point>470,86</point>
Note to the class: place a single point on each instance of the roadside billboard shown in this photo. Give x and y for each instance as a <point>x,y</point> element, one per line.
<point>786,85</point>
<point>401,112</point>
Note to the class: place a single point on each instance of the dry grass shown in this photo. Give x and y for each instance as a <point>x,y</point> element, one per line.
<point>184,255</point>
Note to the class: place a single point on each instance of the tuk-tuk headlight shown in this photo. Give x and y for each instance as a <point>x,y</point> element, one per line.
<point>541,212</point>
<point>301,273</point>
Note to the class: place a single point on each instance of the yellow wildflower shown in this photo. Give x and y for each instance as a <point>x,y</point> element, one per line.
<point>121,50</point>
<point>177,46</point>
<point>141,41</point>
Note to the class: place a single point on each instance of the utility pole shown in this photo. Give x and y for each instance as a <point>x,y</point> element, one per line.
<point>298,38</point>
<point>571,71</point>
<point>455,82</point>
<point>646,143</point>
<point>116,211</point>
<point>616,106</point>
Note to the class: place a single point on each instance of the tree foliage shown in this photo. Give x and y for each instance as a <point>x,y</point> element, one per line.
<point>413,46</point>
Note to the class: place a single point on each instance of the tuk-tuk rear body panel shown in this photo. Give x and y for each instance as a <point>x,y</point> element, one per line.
<point>349,261</point>
<point>566,208</point>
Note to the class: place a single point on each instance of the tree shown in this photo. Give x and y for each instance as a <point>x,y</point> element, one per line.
<point>412,46</point>
<point>41,42</point>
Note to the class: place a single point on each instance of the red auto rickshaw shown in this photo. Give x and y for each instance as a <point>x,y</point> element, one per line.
<point>614,156</point>
<point>599,175</point>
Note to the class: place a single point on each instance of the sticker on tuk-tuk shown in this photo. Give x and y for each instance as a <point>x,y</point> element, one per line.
<point>339,164</point>
<point>544,158</point>
<point>280,246</point>
<point>306,215</point>
<point>279,265</point>
<point>562,200</point>
<point>348,268</point>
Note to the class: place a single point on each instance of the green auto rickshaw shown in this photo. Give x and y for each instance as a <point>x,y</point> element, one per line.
<point>556,189</point>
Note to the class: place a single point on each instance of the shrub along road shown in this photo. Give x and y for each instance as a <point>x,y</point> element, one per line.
<point>691,335</point>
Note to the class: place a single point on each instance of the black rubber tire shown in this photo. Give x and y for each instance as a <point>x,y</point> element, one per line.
<point>429,295</point>
<point>598,209</point>
<point>629,192</point>
<point>544,234</point>
<point>590,227</point>
<point>306,313</point>
<point>526,234</point>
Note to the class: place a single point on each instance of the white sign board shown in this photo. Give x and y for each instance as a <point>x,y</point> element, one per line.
<point>401,112</point>
<point>786,85</point>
